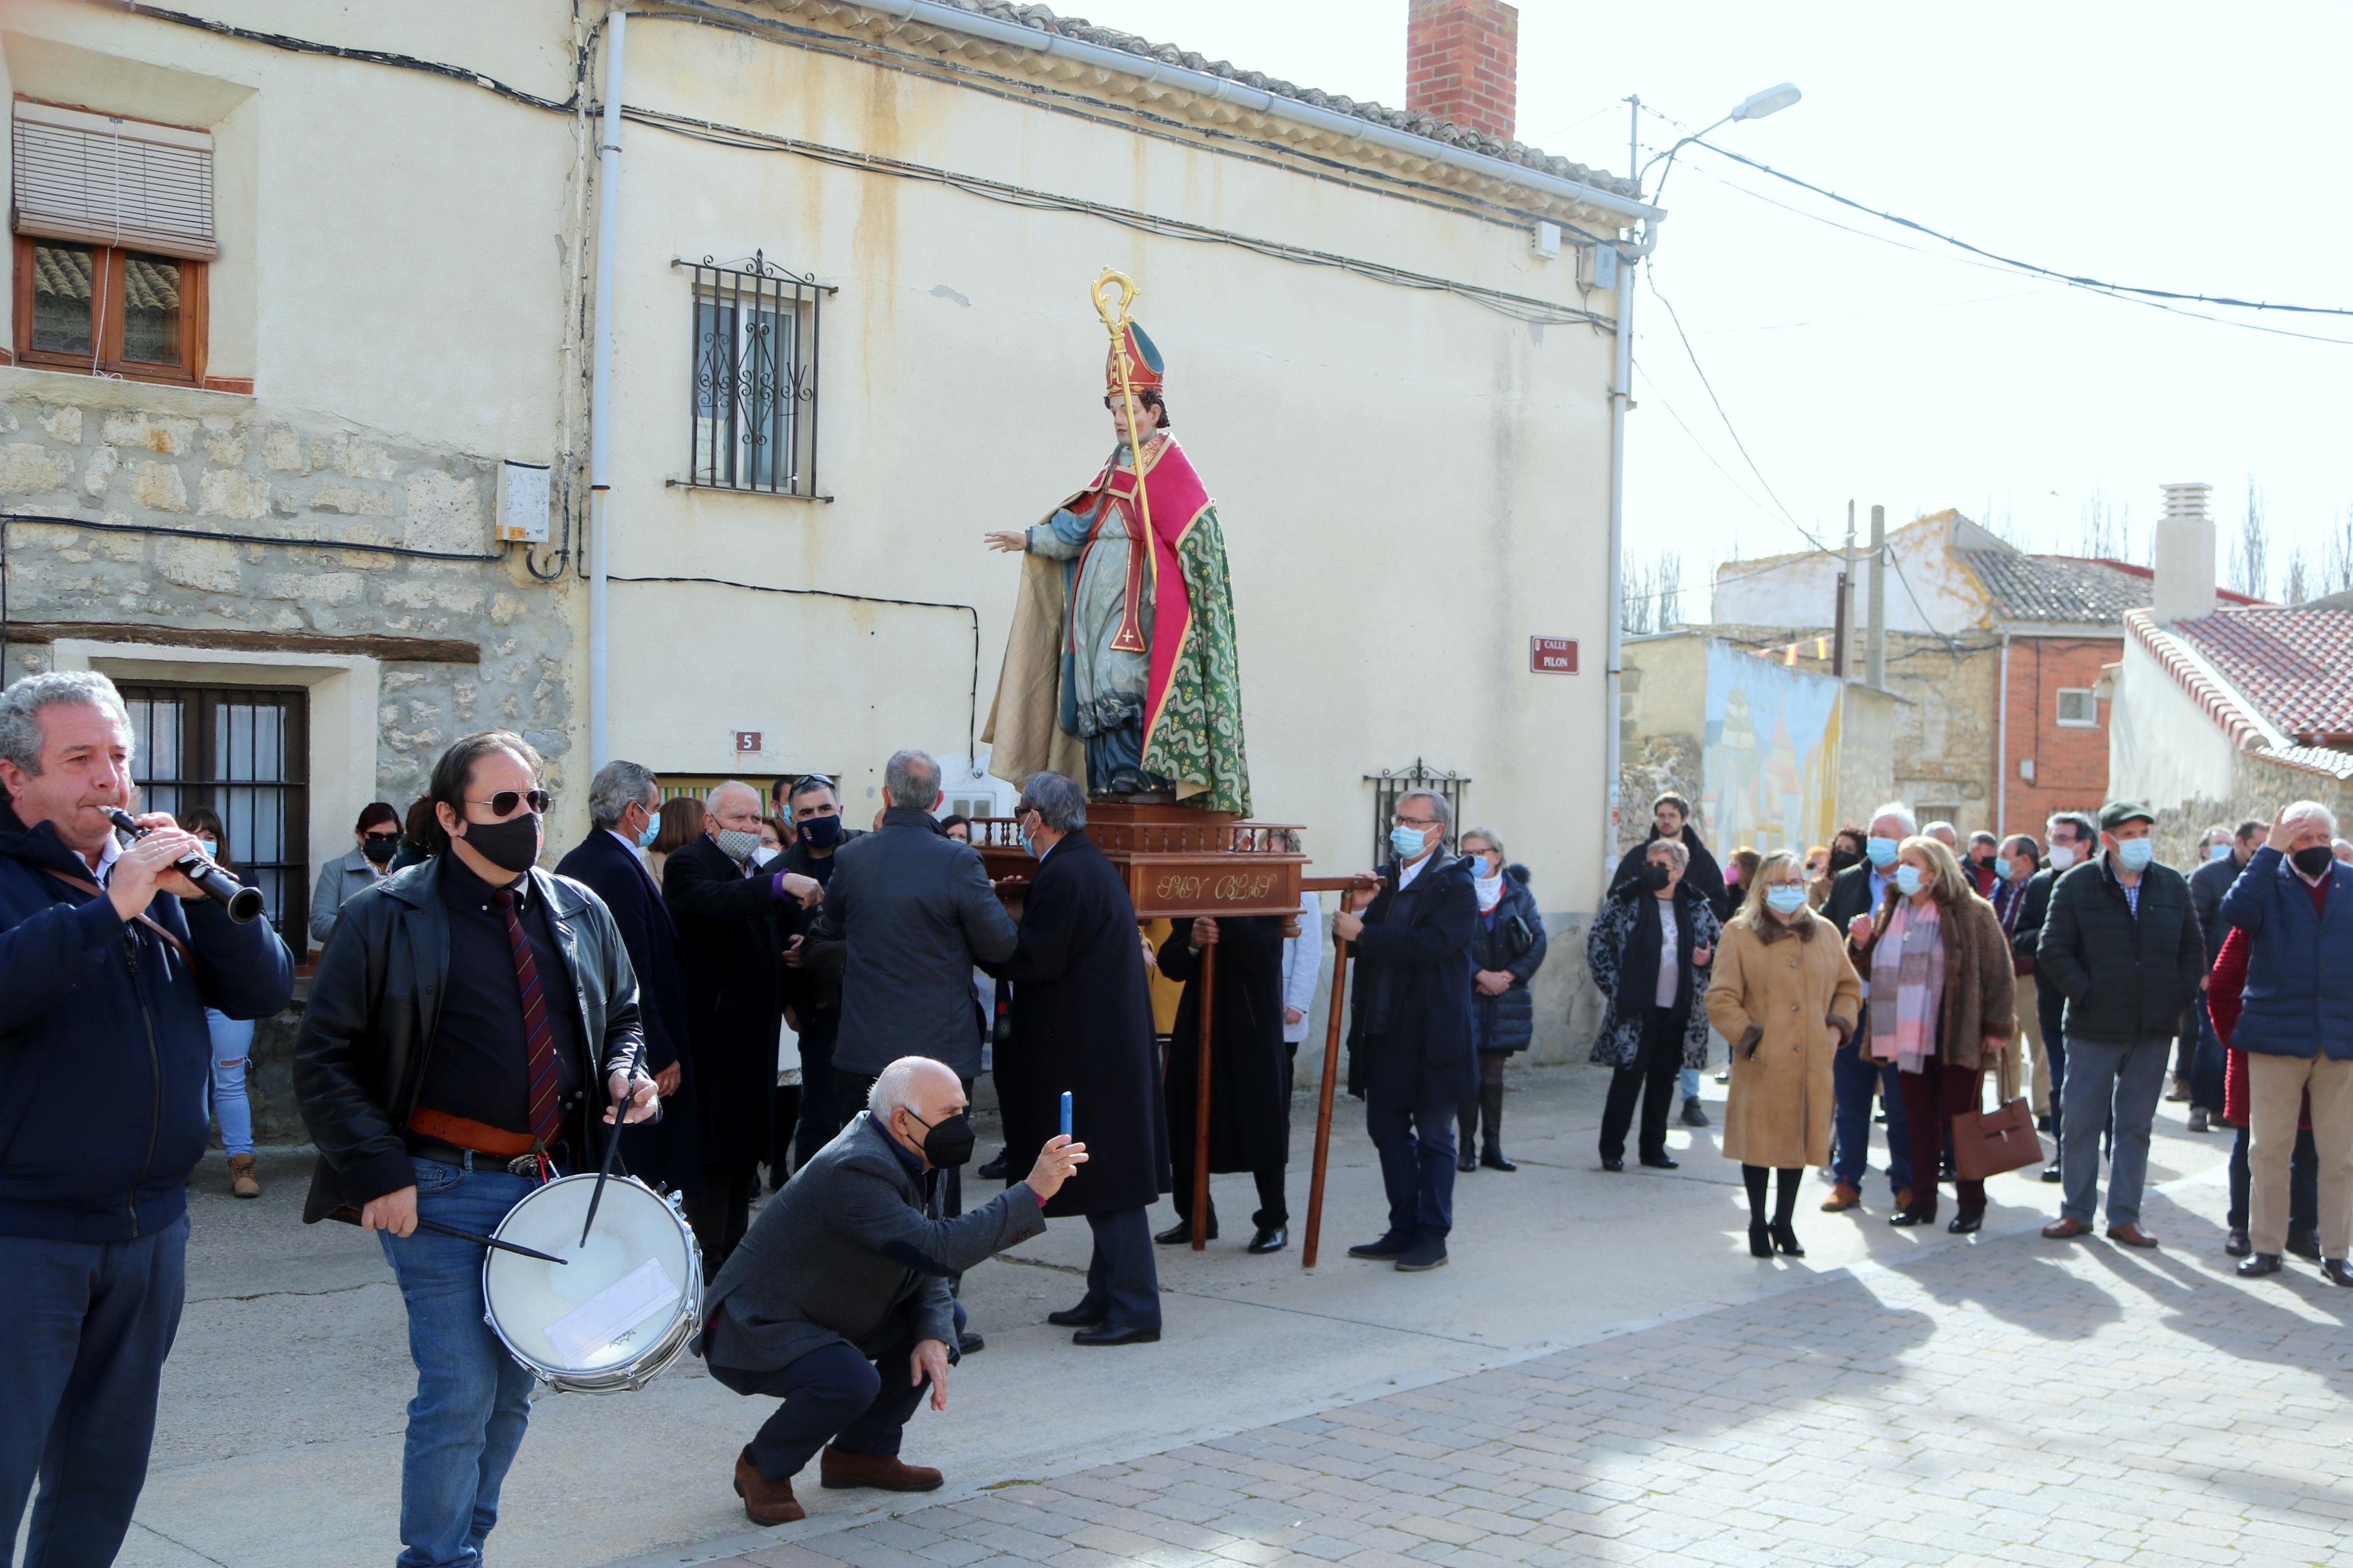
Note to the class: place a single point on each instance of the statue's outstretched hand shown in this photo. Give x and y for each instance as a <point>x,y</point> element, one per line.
<point>1008,542</point>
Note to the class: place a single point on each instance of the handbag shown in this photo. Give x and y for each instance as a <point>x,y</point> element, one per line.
<point>1520,936</point>
<point>1988,1143</point>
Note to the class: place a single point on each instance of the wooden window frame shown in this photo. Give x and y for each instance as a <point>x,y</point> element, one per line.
<point>195,319</point>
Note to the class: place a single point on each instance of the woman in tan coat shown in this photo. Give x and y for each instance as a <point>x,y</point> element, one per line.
<point>1786,997</point>
<point>1944,999</point>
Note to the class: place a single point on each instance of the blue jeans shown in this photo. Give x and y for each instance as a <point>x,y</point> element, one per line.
<point>1855,1084</point>
<point>2104,1080</point>
<point>472,1398</point>
<point>84,1329</point>
<point>232,1054</point>
<point>1416,1149</point>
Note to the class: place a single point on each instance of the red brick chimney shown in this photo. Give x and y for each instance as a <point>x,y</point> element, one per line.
<point>1463,63</point>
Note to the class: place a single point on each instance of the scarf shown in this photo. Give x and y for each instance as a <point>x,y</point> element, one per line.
<point>1490,890</point>
<point>1907,985</point>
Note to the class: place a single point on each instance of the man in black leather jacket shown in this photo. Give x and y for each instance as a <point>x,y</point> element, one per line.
<point>469,1021</point>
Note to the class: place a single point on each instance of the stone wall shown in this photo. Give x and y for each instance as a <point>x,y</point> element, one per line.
<point>2261,786</point>
<point>126,453</point>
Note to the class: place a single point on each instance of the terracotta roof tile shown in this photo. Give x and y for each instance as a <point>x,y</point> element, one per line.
<point>2294,665</point>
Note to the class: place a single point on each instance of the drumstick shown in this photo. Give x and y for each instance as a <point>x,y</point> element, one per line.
<point>612,1144</point>
<point>437,1229</point>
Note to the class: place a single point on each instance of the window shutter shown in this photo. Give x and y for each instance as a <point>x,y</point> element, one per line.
<point>104,180</point>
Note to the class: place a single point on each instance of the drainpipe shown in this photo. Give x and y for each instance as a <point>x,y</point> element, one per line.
<point>2001,745</point>
<point>600,388</point>
<point>1621,398</point>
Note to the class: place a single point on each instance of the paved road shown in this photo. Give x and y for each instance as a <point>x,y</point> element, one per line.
<point>1603,1367</point>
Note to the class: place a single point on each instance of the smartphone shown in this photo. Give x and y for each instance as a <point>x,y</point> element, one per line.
<point>1066,1114</point>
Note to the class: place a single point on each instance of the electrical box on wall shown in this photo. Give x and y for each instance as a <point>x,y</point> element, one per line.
<point>1545,241</point>
<point>1602,264</point>
<point>522,502</point>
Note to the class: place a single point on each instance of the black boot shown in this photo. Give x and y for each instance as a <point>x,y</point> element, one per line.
<point>1491,1108</point>
<point>1760,1236</point>
<point>1466,1131</point>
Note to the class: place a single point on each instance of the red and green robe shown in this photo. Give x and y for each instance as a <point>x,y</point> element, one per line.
<point>1179,604</point>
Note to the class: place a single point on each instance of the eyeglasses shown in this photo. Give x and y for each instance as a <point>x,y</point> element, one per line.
<point>1423,823</point>
<point>502,805</point>
<point>392,837</point>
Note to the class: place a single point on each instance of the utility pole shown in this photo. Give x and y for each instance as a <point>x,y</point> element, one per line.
<point>1877,658</point>
<point>1843,618</point>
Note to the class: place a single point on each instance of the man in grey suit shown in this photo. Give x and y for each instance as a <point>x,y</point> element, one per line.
<point>837,1300</point>
<point>916,913</point>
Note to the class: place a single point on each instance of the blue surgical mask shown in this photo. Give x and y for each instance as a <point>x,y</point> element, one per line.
<point>2217,852</point>
<point>1784,899</point>
<point>1029,844</point>
<point>1407,842</point>
<point>2001,870</point>
<point>1907,878</point>
<point>1882,852</point>
<point>649,832</point>
<point>2135,854</point>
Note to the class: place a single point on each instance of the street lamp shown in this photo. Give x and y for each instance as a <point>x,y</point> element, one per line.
<point>1756,106</point>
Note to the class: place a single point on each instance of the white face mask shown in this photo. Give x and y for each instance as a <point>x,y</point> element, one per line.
<point>2061,857</point>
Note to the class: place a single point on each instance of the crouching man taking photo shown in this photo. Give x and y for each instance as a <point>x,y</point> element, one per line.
<point>837,1302</point>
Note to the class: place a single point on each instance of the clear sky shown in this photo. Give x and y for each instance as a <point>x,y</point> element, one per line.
<point>2167,145</point>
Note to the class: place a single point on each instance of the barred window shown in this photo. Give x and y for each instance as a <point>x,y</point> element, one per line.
<point>245,752</point>
<point>753,413</point>
<point>1390,788</point>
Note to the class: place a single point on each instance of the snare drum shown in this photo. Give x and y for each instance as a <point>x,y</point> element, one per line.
<point>618,1312</point>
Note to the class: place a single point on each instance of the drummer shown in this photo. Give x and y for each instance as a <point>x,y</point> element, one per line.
<point>837,1300</point>
<point>469,1021</point>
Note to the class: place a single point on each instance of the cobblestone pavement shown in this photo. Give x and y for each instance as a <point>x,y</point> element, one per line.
<point>2019,1402</point>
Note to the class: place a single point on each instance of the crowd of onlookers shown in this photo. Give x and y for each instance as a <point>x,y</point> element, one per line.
<point>1879,979</point>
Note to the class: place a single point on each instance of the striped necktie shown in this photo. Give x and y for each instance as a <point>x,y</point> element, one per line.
<point>539,1050</point>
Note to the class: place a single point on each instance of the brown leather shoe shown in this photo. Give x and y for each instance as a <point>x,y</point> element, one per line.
<point>2066,1229</point>
<point>840,1468</point>
<point>241,1179</point>
<point>1842,1197</point>
<point>2131,1236</point>
<point>766,1501</point>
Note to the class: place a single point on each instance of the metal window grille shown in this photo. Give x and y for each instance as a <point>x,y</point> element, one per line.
<point>752,416</point>
<point>1420,778</point>
<point>246,752</point>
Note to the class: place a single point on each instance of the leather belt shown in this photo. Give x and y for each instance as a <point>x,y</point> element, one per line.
<point>465,1132</point>
<point>450,1155</point>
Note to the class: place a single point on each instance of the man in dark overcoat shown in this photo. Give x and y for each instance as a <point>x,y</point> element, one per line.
<point>1082,1024</point>
<point>622,801</point>
<point>1409,1050</point>
<point>1249,1123</point>
<point>731,944</point>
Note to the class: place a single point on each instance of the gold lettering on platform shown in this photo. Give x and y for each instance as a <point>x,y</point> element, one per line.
<point>1240,888</point>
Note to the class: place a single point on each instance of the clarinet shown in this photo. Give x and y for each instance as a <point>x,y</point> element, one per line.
<point>244,903</point>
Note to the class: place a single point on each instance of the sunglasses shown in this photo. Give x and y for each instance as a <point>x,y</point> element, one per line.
<point>392,836</point>
<point>502,805</point>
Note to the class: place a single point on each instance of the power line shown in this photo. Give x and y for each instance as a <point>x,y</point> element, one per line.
<point>2100,285</point>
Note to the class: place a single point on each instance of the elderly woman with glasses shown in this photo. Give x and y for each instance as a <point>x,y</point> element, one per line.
<point>1786,997</point>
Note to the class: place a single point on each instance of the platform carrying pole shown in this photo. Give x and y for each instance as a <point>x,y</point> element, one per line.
<point>1201,1099</point>
<point>1323,1106</point>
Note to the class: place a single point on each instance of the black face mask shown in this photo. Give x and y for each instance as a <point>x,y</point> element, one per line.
<point>1655,877</point>
<point>2313,859</point>
<point>378,847</point>
<point>821,832</point>
<point>1841,859</point>
<point>511,846</point>
<point>948,1144</point>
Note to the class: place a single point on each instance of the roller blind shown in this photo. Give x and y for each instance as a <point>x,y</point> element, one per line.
<point>107,181</point>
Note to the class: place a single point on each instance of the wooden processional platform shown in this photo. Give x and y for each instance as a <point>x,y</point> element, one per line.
<point>1178,863</point>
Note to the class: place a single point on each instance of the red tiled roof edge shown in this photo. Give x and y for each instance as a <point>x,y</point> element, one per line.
<point>2221,592</point>
<point>2221,706</point>
<point>2224,706</point>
